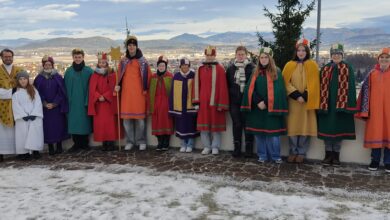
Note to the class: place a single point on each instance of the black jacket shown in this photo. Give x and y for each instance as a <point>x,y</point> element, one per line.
<point>235,95</point>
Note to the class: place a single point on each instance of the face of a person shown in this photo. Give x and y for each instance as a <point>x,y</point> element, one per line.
<point>161,67</point>
<point>7,58</point>
<point>102,63</point>
<point>337,58</point>
<point>301,52</point>
<point>240,56</point>
<point>184,68</point>
<point>47,66</point>
<point>132,48</point>
<point>78,58</point>
<point>23,82</point>
<point>264,59</point>
<point>210,58</point>
<point>384,61</point>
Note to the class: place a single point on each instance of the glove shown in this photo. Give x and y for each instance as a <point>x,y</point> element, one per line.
<point>26,118</point>
<point>32,117</point>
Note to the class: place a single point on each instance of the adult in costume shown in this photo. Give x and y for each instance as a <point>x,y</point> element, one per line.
<point>51,88</point>
<point>265,105</point>
<point>374,108</point>
<point>337,105</point>
<point>237,75</point>
<point>134,77</point>
<point>77,84</point>
<point>301,76</point>
<point>8,73</point>
<point>211,96</point>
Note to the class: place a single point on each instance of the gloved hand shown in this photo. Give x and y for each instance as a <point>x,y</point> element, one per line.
<point>26,118</point>
<point>32,117</point>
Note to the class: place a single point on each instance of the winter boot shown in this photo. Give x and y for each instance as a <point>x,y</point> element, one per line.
<point>104,147</point>
<point>248,149</point>
<point>51,149</point>
<point>160,142</point>
<point>336,159</point>
<point>1,158</point>
<point>165,145</point>
<point>36,154</point>
<point>327,161</point>
<point>237,149</point>
<point>59,148</point>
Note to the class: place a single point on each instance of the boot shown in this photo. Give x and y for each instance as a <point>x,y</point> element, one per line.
<point>1,158</point>
<point>336,159</point>
<point>59,148</point>
<point>51,149</point>
<point>327,161</point>
<point>160,143</point>
<point>237,149</point>
<point>249,149</point>
<point>165,142</point>
<point>36,154</point>
<point>104,147</point>
<point>110,146</point>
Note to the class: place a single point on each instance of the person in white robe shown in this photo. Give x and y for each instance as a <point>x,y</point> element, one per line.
<point>28,115</point>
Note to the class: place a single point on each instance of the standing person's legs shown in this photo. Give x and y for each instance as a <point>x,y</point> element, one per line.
<point>190,144</point>
<point>336,152</point>
<point>216,142</point>
<point>140,133</point>
<point>328,153</point>
<point>248,144</point>
<point>261,148</point>
<point>386,159</point>
<point>128,124</point>
<point>237,120</point>
<point>206,142</point>
<point>303,145</point>
<point>273,148</point>
<point>376,154</point>
<point>293,145</point>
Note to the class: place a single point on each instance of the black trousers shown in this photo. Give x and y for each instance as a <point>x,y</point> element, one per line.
<point>238,119</point>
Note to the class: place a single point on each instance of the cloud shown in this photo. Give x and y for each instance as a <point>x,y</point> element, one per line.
<point>155,31</point>
<point>137,1</point>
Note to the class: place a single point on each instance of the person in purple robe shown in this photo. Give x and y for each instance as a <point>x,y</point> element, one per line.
<point>51,88</point>
<point>181,108</point>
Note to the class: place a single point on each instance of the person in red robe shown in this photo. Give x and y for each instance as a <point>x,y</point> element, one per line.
<point>102,103</point>
<point>211,95</point>
<point>159,90</point>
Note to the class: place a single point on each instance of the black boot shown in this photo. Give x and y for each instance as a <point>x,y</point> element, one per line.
<point>237,149</point>
<point>24,156</point>
<point>36,154</point>
<point>59,148</point>
<point>336,159</point>
<point>51,149</point>
<point>1,158</point>
<point>110,146</point>
<point>327,161</point>
<point>159,142</point>
<point>104,147</point>
<point>248,149</point>
<point>165,145</point>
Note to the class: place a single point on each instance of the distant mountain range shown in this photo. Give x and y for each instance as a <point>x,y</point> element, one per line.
<point>368,38</point>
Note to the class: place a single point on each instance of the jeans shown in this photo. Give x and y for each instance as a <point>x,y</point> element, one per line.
<point>268,147</point>
<point>377,153</point>
<point>211,139</point>
<point>135,131</point>
<point>299,144</point>
<point>332,145</point>
<point>187,142</point>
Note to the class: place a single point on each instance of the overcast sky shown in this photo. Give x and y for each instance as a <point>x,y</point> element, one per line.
<point>162,19</point>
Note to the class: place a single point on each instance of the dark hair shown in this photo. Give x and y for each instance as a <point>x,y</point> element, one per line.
<point>307,49</point>
<point>6,50</point>
<point>239,48</point>
<point>77,51</point>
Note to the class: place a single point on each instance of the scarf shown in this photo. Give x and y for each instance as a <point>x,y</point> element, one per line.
<point>239,76</point>
<point>101,71</point>
<point>78,67</point>
<point>48,74</point>
<point>342,90</point>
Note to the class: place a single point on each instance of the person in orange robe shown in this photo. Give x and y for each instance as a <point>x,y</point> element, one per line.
<point>374,107</point>
<point>160,88</point>
<point>134,76</point>
<point>210,93</point>
<point>102,103</point>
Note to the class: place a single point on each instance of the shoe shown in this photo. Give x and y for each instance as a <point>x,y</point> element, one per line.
<point>188,149</point>
<point>206,150</point>
<point>165,148</point>
<point>261,160</point>
<point>327,161</point>
<point>373,166</point>
<point>142,147</point>
<point>336,159</point>
<point>237,149</point>
<point>24,156</point>
<point>182,149</point>
<point>215,151</point>
<point>36,154</point>
<point>59,148</point>
<point>291,158</point>
<point>299,159</point>
<point>278,161</point>
<point>159,147</point>
<point>51,149</point>
<point>129,146</point>
<point>387,168</point>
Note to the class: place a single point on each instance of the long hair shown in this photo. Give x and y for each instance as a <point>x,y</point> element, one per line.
<point>30,89</point>
<point>307,49</point>
<point>271,68</point>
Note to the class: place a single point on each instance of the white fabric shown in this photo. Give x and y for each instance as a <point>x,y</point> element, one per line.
<point>29,135</point>
<point>8,68</point>
<point>7,140</point>
<point>5,93</point>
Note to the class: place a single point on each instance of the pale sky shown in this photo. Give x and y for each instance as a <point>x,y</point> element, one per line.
<point>163,19</point>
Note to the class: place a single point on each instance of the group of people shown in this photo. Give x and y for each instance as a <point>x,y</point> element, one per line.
<point>265,102</point>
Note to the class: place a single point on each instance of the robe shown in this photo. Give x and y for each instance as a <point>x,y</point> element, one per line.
<point>105,121</point>
<point>211,94</point>
<point>181,107</point>
<point>52,90</point>
<point>77,84</point>
<point>160,87</point>
<point>29,134</point>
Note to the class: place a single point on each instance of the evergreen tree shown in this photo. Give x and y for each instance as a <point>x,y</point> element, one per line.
<point>286,27</point>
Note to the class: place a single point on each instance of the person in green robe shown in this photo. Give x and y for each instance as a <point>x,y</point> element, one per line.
<point>337,105</point>
<point>265,104</point>
<point>76,82</point>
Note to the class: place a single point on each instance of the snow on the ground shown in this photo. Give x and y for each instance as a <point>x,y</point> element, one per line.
<point>125,192</point>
